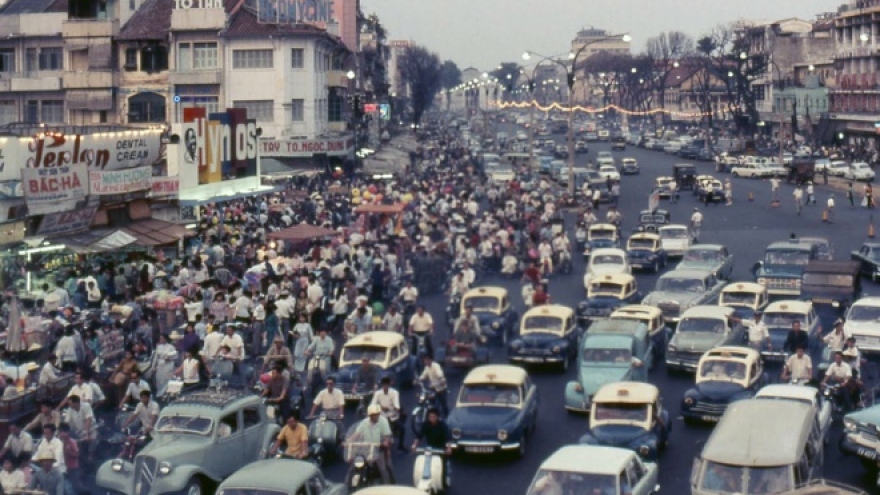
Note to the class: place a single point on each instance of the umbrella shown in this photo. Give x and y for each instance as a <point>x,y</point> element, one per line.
<point>302,232</point>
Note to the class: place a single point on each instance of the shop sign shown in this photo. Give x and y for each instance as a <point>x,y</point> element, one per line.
<point>66,222</point>
<point>317,12</point>
<point>305,147</point>
<point>99,151</point>
<point>45,187</point>
<point>220,144</point>
<point>163,186</point>
<point>103,182</point>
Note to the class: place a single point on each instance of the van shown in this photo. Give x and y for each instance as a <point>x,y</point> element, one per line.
<point>760,446</point>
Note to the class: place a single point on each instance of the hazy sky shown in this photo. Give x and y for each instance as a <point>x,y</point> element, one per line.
<point>483,33</point>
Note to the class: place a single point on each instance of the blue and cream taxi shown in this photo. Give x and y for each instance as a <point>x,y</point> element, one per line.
<point>605,293</point>
<point>779,316</point>
<point>645,251</point>
<point>496,411</point>
<point>724,375</point>
<point>746,298</point>
<point>653,318</point>
<point>491,305</point>
<point>548,334</point>
<point>595,470</point>
<point>601,235</point>
<point>610,351</point>
<point>629,415</point>
<point>386,350</point>
<point>701,329</point>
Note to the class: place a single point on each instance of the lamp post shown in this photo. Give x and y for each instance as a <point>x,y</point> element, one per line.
<point>570,78</point>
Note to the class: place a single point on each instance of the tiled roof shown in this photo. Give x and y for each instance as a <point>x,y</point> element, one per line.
<point>244,24</point>
<point>150,22</point>
<point>15,7</point>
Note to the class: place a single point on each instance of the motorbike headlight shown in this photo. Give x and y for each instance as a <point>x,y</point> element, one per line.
<point>116,465</point>
<point>164,468</point>
<point>496,325</point>
<point>644,450</point>
<point>456,433</point>
<point>762,281</point>
<point>835,304</point>
<point>359,462</point>
<point>850,425</point>
<point>579,388</point>
<point>689,401</point>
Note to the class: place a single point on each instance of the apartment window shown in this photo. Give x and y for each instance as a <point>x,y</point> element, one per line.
<point>298,110</point>
<point>297,58</point>
<point>336,105</point>
<point>260,110</point>
<point>197,56</point>
<point>30,60</point>
<point>7,60</point>
<point>252,59</point>
<point>52,111</point>
<point>326,62</point>
<point>8,113</point>
<point>154,58</point>
<point>131,56</point>
<point>32,112</point>
<point>211,104</point>
<point>51,58</point>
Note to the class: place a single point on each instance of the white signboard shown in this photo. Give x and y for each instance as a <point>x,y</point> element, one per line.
<point>120,181</point>
<point>67,221</point>
<point>48,190</point>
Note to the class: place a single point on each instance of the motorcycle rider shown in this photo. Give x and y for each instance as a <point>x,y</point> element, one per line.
<point>276,391</point>
<point>392,321</point>
<point>408,296</point>
<point>323,348</point>
<point>798,367</point>
<point>367,375</point>
<point>388,398</point>
<point>562,248</point>
<point>295,436</point>
<point>331,400</point>
<point>421,324</point>
<point>436,435</point>
<point>464,338</point>
<point>146,412</point>
<point>840,373</point>
<point>470,318</point>
<point>836,338</point>
<point>375,430</point>
<point>433,373</point>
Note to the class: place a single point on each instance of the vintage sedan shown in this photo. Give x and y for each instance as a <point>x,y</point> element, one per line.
<point>783,266</point>
<point>595,469</point>
<point>661,185</point>
<point>724,375</point>
<point>547,334</point>
<point>606,261</point>
<point>601,235</point>
<point>629,166</point>
<point>675,239</point>
<point>653,318</point>
<point>678,290</point>
<point>645,251</point>
<point>745,298</point>
<point>868,257</point>
<point>701,328</point>
<point>863,323</point>
<point>199,439</point>
<point>711,186</point>
<point>629,415</point>
<point>496,411</point>
<point>779,316</point>
<point>605,294</point>
<point>283,476</point>
<point>491,305</point>
<point>386,350</point>
<point>714,258</point>
<point>861,436</point>
<point>610,351</point>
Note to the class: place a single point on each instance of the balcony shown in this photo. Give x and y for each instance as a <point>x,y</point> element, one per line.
<point>201,77</point>
<point>90,28</point>
<point>86,80</point>
<point>338,79</point>
<point>31,81</point>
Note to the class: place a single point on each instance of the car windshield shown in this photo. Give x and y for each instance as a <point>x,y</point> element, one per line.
<point>874,254</point>
<point>621,412</point>
<point>787,257</point>
<point>564,482</point>
<point>671,284</point>
<point>605,288</point>
<point>700,255</point>
<point>722,478</point>
<point>702,325</point>
<point>784,320</point>
<point>374,353</point>
<point>602,234</point>
<point>607,355</point>
<point>674,233</point>
<point>722,370</point>
<point>829,279</point>
<point>250,491</point>
<point>184,424</point>
<point>734,298</point>
<point>864,313</point>
<point>482,303</point>
<point>552,324</point>
<point>489,394</point>
<point>606,259</point>
<point>642,243</point>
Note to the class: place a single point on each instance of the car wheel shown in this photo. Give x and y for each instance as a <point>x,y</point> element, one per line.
<point>194,487</point>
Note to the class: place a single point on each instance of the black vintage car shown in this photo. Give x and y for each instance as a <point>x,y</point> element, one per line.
<point>868,257</point>
<point>685,175</point>
<point>801,170</point>
<point>831,286</point>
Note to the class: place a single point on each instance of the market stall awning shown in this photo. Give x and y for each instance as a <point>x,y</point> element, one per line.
<point>155,232</point>
<point>302,232</point>
<point>97,241</point>
<point>395,208</point>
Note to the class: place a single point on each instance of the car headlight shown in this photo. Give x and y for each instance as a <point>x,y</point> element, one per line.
<point>164,468</point>
<point>359,462</point>
<point>582,306</point>
<point>689,401</point>
<point>456,433</point>
<point>644,450</point>
<point>556,349</point>
<point>762,281</point>
<point>496,325</point>
<point>502,435</point>
<point>671,348</point>
<point>116,465</point>
<point>835,304</point>
<point>850,425</point>
<point>579,388</point>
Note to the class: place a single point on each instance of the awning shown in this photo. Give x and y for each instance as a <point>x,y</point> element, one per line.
<point>289,166</point>
<point>155,232</point>
<point>97,241</point>
<point>226,196</point>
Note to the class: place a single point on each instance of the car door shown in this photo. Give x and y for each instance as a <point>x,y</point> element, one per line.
<point>228,453</point>
<point>863,257</point>
<point>530,404</point>
<point>253,432</point>
<point>637,477</point>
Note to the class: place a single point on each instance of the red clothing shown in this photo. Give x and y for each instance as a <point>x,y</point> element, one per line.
<point>532,274</point>
<point>539,298</point>
<point>71,453</point>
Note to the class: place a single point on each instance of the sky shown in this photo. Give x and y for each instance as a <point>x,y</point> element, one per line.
<point>484,33</point>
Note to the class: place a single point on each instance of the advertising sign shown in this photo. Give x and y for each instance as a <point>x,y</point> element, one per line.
<point>67,222</point>
<point>163,186</point>
<point>101,151</point>
<point>120,181</point>
<point>305,147</point>
<point>315,12</point>
<point>50,189</point>
<point>8,171</point>
<point>384,111</point>
<point>220,144</point>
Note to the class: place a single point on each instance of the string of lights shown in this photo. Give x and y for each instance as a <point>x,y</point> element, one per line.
<point>594,110</point>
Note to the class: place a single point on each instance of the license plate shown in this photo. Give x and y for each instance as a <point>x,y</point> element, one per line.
<point>479,450</point>
<point>774,357</point>
<point>352,397</point>
<point>459,359</point>
<point>709,419</point>
<point>869,453</point>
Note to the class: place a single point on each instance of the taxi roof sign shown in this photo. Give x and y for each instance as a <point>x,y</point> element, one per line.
<point>622,392</point>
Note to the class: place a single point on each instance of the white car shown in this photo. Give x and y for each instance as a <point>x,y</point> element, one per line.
<point>863,323</point>
<point>521,136</point>
<point>750,171</point>
<point>609,172</point>
<point>672,147</point>
<point>725,159</point>
<point>837,168</point>
<point>821,164</point>
<point>605,158</point>
<point>606,261</point>
<point>806,395</point>
<point>774,169</point>
<point>859,171</point>
<point>675,239</point>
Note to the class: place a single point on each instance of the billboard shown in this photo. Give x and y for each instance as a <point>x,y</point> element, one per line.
<point>103,182</point>
<point>222,145</point>
<point>315,12</point>
<point>48,190</point>
<point>270,148</point>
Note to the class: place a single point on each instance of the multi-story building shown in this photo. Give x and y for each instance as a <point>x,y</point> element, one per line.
<point>142,53</point>
<point>587,43</point>
<point>398,87</point>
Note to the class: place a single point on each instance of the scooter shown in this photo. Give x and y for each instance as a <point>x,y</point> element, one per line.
<point>428,471</point>
<point>453,309</point>
<point>323,439</point>
<point>361,458</point>
<point>427,400</point>
<point>318,370</point>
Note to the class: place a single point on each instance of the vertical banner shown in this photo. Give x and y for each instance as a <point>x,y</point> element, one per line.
<point>238,124</point>
<point>221,144</point>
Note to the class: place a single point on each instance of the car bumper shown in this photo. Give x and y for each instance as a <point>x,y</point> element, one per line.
<point>868,343</point>
<point>535,359</point>
<point>854,444</point>
<point>682,363</point>
<point>483,446</point>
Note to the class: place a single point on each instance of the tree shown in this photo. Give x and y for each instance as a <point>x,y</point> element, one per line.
<point>666,49</point>
<point>507,74</point>
<point>450,77</point>
<point>420,69</point>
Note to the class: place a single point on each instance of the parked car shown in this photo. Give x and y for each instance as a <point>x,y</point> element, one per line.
<point>778,318</point>
<point>629,166</point>
<point>859,171</point>
<point>610,351</point>
<point>491,306</point>
<point>712,257</point>
<point>388,351</point>
<point>675,239</point>
<point>629,415</point>
<point>745,298</point>
<point>496,411</point>
<point>868,257</point>
<point>645,251</point>
<point>199,439</point>
<point>548,334</point>
<point>605,293</point>
<point>678,290</point>
<point>282,476</point>
<point>590,469</point>
<point>724,375</point>
<point>701,328</point>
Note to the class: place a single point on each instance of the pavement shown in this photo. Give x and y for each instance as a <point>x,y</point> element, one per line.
<point>745,228</point>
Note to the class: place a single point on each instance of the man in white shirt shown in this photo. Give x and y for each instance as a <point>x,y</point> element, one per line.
<point>81,419</point>
<point>49,371</point>
<point>422,325</point>
<point>146,412</point>
<point>18,444</point>
<point>212,344</point>
<point>81,389</point>
<point>11,479</point>
<point>759,336</point>
<point>388,399</point>
<point>243,306</point>
<point>314,292</point>
<point>799,367</point>
<point>52,444</point>
<point>696,224</point>
<point>433,373</point>
<point>408,294</point>
<point>840,373</point>
<point>835,339</point>
<point>331,400</point>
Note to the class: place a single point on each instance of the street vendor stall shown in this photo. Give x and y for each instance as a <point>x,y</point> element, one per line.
<point>390,215</point>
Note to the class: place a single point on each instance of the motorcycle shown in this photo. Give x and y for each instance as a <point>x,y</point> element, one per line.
<point>362,459</point>
<point>563,263</point>
<point>453,309</point>
<point>323,439</point>
<point>428,471</point>
<point>834,395</point>
<point>317,371</point>
<point>427,400</point>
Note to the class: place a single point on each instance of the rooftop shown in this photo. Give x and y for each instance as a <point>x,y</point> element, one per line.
<point>150,22</point>
<point>15,7</point>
